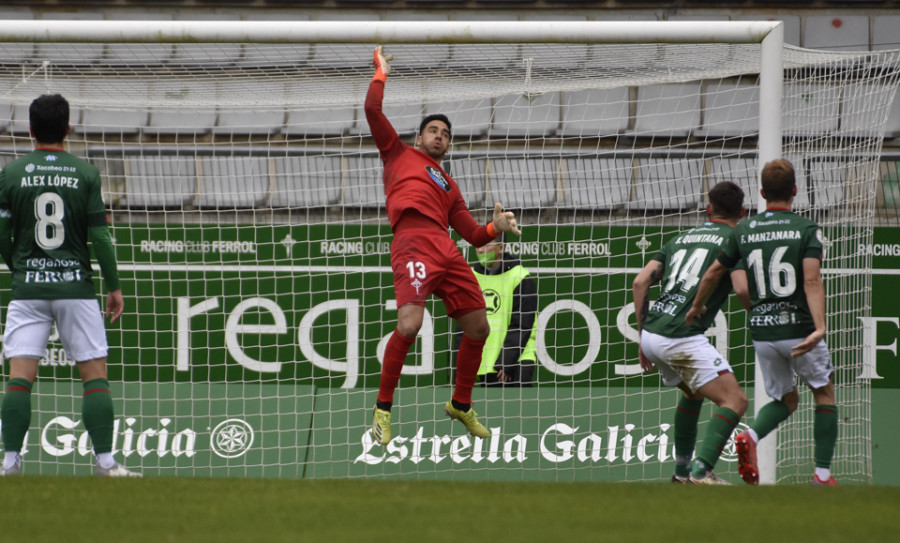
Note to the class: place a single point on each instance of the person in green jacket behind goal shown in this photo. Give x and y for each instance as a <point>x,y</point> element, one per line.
<point>510,294</point>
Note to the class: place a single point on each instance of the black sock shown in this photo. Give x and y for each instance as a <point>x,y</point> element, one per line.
<point>384,406</point>
<point>461,406</point>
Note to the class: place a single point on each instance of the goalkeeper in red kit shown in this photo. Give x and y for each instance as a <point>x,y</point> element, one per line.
<point>422,200</point>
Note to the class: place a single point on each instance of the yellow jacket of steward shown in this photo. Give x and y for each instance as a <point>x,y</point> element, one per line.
<point>510,295</point>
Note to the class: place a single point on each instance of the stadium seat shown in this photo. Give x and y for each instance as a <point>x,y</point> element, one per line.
<point>418,56</point>
<point>731,109</point>
<point>837,32</point>
<point>261,55</point>
<point>307,181</point>
<point>207,53</point>
<point>596,183</point>
<point>129,119</point>
<point>526,116</point>
<point>70,53</point>
<point>470,175</point>
<point>523,183</point>
<point>159,182</point>
<point>668,110</point>
<point>365,182</point>
<point>826,180</point>
<point>742,172</point>
<point>174,112</point>
<point>470,118</point>
<point>141,53</point>
<point>16,52</point>
<point>233,182</point>
<point>595,112</point>
<point>791,24</point>
<point>321,117</point>
<point>810,109</point>
<point>266,117</point>
<point>338,55</point>
<point>474,56</point>
<point>6,115</point>
<point>6,109</point>
<point>668,184</point>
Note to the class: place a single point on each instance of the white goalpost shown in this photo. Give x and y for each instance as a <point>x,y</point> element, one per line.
<point>247,206</point>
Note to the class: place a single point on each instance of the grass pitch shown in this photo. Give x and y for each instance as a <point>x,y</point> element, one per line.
<point>200,510</point>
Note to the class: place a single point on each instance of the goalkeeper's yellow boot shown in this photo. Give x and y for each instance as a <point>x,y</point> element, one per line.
<point>469,418</point>
<point>381,426</point>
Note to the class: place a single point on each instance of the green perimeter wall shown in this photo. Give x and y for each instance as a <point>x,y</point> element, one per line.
<point>288,320</point>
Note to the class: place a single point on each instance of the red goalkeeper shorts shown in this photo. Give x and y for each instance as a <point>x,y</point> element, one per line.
<point>427,261</point>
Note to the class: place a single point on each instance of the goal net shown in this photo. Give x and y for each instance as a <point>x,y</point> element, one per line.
<point>247,207</point>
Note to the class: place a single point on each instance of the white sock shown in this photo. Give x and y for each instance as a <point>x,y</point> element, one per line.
<point>106,460</point>
<point>752,433</point>
<point>10,459</point>
<point>823,474</point>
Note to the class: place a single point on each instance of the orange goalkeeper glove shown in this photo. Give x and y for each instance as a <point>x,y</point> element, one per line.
<point>381,62</point>
<point>504,221</point>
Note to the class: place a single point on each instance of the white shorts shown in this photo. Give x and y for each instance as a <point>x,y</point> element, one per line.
<point>778,367</point>
<point>79,323</point>
<point>690,360</point>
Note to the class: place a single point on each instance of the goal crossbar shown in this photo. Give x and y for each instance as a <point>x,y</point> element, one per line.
<point>386,31</point>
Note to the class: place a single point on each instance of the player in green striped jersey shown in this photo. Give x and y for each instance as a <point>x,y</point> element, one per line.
<point>50,208</point>
<point>782,252</point>
<point>681,352</point>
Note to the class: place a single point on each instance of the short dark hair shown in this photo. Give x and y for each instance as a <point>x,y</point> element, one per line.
<point>435,117</point>
<point>778,180</point>
<point>726,199</point>
<point>49,118</point>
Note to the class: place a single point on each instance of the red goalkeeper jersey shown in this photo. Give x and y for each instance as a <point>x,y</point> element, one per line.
<point>413,180</point>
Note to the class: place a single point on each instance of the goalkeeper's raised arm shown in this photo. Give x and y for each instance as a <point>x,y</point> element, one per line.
<point>422,201</point>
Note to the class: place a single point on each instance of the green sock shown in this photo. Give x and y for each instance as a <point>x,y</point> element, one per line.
<point>16,413</point>
<point>686,415</point>
<point>769,417</point>
<point>700,467</point>
<point>97,413</point>
<point>825,434</point>
<point>719,429</point>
